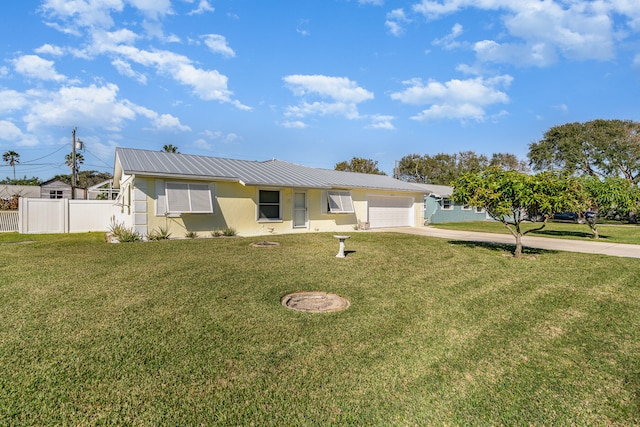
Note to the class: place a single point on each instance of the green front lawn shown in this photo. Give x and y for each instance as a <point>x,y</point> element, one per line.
<point>192,332</point>
<point>608,233</point>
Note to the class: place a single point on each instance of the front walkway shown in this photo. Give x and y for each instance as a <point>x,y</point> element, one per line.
<point>594,247</point>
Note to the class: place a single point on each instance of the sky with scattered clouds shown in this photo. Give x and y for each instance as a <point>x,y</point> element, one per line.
<point>313,82</point>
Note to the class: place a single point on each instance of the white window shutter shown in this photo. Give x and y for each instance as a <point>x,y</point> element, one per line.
<point>161,198</point>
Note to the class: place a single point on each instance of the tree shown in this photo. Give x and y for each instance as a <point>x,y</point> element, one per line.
<point>607,195</point>
<point>86,179</point>
<point>34,180</point>
<point>11,158</point>
<point>602,148</point>
<point>508,196</point>
<point>169,148</point>
<point>68,160</point>
<point>360,165</point>
<point>443,168</point>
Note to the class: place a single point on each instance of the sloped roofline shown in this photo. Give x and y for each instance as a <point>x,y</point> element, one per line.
<point>273,172</point>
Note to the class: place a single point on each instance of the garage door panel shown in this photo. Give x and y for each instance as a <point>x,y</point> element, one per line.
<point>390,211</point>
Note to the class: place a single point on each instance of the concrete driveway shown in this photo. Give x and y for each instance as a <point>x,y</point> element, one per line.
<point>595,247</point>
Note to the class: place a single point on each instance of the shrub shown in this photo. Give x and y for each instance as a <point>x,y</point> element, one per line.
<point>162,233</point>
<point>122,233</point>
<point>191,235</point>
<point>229,232</point>
<point>216,233</point>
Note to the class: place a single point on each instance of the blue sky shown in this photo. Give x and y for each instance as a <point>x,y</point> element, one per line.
<point>313,82</point>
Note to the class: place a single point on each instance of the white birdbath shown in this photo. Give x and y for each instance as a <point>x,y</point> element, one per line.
<point>341,251</point>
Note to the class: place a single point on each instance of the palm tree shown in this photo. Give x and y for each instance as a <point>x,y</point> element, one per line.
<point>68,160</point>
<point>11,157</point>
<point>169,148</point>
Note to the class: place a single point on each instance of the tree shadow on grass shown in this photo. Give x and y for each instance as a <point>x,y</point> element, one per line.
<point>501,247</point>
<point>556,233</point>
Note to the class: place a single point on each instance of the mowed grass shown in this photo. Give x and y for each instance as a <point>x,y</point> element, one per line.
<point>192,332</point>
<point>629,234</point>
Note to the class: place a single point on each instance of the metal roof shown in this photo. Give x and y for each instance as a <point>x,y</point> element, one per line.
<point>268,173</point>
<point>437,190</point>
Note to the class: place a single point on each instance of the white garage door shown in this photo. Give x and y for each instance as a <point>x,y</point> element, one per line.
<point>390,212</point>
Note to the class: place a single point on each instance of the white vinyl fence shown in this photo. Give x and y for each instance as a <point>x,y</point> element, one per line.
<point>67,216</point>
<point>9,221</point>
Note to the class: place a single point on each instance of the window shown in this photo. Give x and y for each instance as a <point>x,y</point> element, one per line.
<point>269,205</point>
<point>466,207</point>
<point>183,197</point>
<point>339,201</point>
<point>55,194</point>
<point>446,204</point>
<point>479,210</point>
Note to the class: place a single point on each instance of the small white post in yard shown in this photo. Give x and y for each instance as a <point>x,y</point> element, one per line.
<point>341,251</point>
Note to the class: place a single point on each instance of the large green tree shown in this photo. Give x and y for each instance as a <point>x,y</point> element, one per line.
<point>34,180</point>
<point>358,164</point>
<point>509,196</point>
<point>611,194</point>
<point>444,168</point>
<point>603,148</point>
<point>11,158</point>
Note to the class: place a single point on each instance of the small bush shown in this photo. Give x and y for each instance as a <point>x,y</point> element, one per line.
<point>191,235</point>
<point>229,232</point>
<point>162,233</point>
<point>216,233</point>
<point>122,233</point>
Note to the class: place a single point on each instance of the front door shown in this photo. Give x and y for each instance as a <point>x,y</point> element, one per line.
<point>299,210</point>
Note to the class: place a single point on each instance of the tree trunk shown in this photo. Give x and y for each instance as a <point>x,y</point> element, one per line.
<point>518,252</point>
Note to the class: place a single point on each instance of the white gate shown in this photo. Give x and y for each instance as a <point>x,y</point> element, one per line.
<point>67,216</point>
<point>9,221</point>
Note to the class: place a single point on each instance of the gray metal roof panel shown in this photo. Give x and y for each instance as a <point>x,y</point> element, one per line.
<point>271,172</point>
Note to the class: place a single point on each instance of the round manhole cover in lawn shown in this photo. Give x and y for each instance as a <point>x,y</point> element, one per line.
<point>315,302</point>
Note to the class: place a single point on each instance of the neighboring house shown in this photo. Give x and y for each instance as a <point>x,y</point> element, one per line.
<point>55,189</point>
<point>197,193</point>
<point>8,191</point>
<point>439,208</point>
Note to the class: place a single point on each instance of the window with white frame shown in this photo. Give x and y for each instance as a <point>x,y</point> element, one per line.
<point>55,194</point>
<point>269,206</point>
<point>339,201</point>
<point>446,204</point>
<point>188,197</point>
<point>466,207</point>
<point>479,210</point>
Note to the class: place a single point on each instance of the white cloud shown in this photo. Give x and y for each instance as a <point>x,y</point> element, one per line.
<point>218,44</point>
<point>11,100</point>
<point>94,106</point>
<point>93,13</point>
<point>125,69</point>
<point>455,99</point>
<point>449,41</point>
<point>395,21</point>
<point>203,7</point>
<point>380,121</point>
<point>373,2</point>
<point>38,68</point>
<point>47,49</point>
<point>294,124</point>
<point>169,122</point>
<point>153,9</point>
<point>542,30</point>
<point>9,131</point>
<point>343,96</point>
<point>339,88</point>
